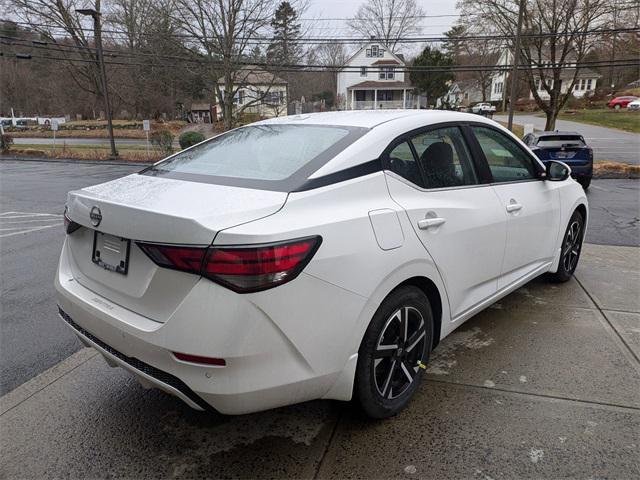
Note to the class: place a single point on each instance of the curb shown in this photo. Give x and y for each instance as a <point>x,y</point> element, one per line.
<point>19,394</point>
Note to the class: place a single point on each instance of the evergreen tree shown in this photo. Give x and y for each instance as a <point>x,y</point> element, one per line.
<point>433,83</point>
<point>284,48</point>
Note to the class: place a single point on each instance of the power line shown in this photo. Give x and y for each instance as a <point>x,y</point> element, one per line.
<point>329,68</point>
<point>440,39</point>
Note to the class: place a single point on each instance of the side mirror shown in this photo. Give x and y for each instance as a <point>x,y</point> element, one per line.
<point>557,171</point>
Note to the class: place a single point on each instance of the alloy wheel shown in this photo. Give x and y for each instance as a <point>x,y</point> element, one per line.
<point>572,246</point>
<point>399,351</point>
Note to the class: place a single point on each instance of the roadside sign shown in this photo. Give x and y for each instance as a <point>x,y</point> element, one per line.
<point>146,126</point>
<point>54,127</point>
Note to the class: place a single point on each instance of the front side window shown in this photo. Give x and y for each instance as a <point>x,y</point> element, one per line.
<point>507,161</point>
<point>444,158</point>
<point>259,156</point>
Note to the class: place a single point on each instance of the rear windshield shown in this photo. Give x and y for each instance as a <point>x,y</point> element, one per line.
<point>561,140</point>
<point>272,157</point>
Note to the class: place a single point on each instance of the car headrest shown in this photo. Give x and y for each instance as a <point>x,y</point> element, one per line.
<point>438,158</point>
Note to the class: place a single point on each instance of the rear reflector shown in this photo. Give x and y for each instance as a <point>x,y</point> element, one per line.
<point>185,357</point>
<point>243,269</point>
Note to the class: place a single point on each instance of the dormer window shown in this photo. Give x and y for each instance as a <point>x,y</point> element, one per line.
<point>375,51</point>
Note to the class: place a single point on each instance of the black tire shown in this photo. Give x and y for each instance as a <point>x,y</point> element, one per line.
<point>571,248</point>
<point>381,367</point>
<point>585,182</point>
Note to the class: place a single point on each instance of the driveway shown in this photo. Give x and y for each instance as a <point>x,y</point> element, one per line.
<point>608,143</point>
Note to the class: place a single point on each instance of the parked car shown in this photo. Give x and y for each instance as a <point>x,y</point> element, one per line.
<point>312,256</point>
<point>483,108</point>
<point>568,147</point>
<point>635,105</point>
<point>621,102</point>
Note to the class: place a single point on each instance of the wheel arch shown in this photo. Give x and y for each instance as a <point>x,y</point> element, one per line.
<point>431,291</point>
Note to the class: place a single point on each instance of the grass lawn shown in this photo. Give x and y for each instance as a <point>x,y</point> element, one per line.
<point>621,119</point>
<point>518,130</point>
<point>87,152</point>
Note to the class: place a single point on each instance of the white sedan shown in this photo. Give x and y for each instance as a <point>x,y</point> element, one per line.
<point>313,256</point>
<point>483,108</point>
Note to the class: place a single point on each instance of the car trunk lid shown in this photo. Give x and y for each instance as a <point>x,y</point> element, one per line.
<point>157,210</point>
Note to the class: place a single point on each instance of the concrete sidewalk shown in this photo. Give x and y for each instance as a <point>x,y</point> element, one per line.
<point>545,384</point>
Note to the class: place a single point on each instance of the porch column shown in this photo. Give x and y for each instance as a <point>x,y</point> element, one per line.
<point>404,98</point>
<point>352,99</point>
<point>375,99</point>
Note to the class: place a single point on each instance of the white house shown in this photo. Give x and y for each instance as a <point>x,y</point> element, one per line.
<point>259,91</point>
<point>585,82</point>
<point>374,78</point>
<point>462,93</point>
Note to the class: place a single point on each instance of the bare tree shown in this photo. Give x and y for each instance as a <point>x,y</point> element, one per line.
<point>334,56</point>
<point>554,43</point>
<point>58,22</point>
<point>465,48</point>
<point>225,31</point>
<point>388,20</point>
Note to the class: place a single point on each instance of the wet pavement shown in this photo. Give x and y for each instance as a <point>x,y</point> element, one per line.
<point>544,384</point>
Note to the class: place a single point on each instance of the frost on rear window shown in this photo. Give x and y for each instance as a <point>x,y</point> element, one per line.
<point>257,152</point>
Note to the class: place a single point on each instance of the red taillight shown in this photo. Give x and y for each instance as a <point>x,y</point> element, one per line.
<point>186,259</point>
<point>186,357</point>
<point>255,268</point>
<point>243,269</point>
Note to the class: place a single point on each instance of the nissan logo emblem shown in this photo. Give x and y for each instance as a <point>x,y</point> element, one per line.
<point>96,216</point>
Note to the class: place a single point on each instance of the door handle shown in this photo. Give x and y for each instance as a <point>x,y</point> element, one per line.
<point>514,207</point>
<point>430,222</point>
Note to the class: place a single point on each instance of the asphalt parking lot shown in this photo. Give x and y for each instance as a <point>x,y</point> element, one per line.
<point>542,385</point>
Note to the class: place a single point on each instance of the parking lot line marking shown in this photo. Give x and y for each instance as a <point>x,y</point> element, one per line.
<point>13,222</point>
<point>30,214</point>
<point>30,230</point>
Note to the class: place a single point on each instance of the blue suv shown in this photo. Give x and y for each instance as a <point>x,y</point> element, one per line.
<point>568,147</point>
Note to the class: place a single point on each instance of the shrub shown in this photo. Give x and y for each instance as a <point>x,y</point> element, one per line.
<point>5,142</point>
<point>190,138</point>
<point>162,140</point>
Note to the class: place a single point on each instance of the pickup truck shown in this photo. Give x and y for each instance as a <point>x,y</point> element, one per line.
<point>483,108</point>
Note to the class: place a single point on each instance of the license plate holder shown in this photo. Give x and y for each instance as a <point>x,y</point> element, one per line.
<point>111,252</point>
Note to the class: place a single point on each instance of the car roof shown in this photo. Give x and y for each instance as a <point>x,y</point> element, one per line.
<point>373,118</point>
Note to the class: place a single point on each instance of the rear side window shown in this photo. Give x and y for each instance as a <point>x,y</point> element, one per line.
<point>403,162</point>
<point>273,157</point>
<point>507,161</point>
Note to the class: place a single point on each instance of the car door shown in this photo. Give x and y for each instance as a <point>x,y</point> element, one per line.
<point>459,221</point>
<point>531,204</point>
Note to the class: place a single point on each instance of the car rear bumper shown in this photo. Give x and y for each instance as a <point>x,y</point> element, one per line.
<point>267,363</point>
<point>581,171</point>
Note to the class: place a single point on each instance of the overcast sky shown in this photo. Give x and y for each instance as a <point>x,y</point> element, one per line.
<point>337,9</point>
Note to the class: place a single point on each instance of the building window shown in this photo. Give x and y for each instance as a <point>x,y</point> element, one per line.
<point>375,51</point>
<point>273,98</point>
<point>589,84</point>
<point>387,73</point>
<point>363,71</point>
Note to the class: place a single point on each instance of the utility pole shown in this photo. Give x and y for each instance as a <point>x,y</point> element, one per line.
<point>516,58</point>
<point>97,33</point>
